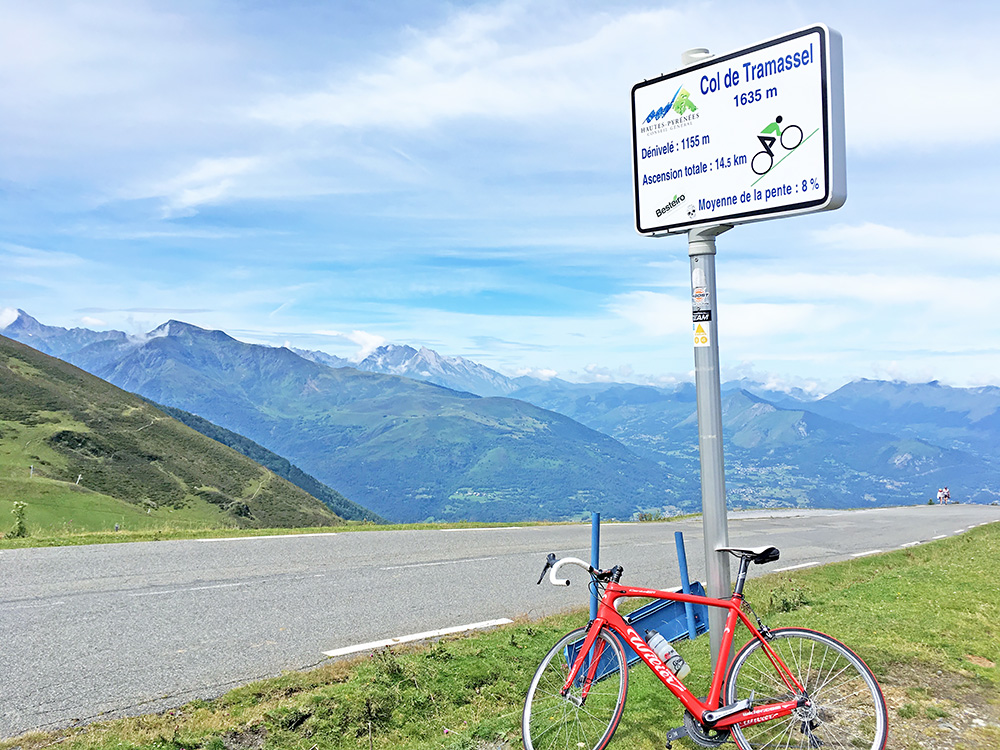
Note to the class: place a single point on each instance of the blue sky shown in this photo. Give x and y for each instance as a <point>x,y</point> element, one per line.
<point>338,175</point>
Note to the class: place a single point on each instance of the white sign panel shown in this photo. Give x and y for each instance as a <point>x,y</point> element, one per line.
<point>751,135</point>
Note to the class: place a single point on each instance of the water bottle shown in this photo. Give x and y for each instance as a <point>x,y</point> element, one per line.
<point>668,654</point>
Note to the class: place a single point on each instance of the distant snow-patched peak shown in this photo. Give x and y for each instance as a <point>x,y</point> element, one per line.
<point>330,360</point>
<point>180,329</point>
<point>53,340</point>
<point>26,324</point>
<point>425,364</point>
<point>393,359</point>
<point>172,328</point>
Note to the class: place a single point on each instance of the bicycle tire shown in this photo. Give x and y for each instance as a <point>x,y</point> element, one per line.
<point>785,132</point>
<point>753,163</point>
<point>847,709</point>
<point>552,721</point>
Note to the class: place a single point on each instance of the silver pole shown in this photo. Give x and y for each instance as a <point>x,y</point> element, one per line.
<point>704,313</point>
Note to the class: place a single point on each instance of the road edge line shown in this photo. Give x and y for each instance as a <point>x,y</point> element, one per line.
<point>417,637</point>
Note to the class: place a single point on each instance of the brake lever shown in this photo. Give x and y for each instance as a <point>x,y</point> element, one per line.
<point>549,562</point>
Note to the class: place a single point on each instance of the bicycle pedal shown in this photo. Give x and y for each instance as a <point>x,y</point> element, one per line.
<point>676,734</point>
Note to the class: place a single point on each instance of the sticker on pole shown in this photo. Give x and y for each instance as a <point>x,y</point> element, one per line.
<point>701,337</point>
<point>755,134</point>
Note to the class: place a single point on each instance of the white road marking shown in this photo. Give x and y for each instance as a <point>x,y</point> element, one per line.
<point>909,544</point>
<point>940,536</point>
<point>796,567</point>
<point>492,528</point>
<point>39,606</point>
<point>433,564</point>
<point>193,588</point>
<point>864,554</point>
<point>417,637</point>
<point>268,536</point>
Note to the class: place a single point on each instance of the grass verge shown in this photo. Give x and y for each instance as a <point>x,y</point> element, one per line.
<point>926,619</point>
<point>65,537</point>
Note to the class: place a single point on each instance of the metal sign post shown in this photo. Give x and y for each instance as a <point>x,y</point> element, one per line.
<point>704,314</point>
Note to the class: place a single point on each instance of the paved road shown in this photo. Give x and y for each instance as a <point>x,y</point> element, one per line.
<point>132,628</point>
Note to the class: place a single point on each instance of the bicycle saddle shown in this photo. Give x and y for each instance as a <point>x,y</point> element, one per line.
<point>758,555</point>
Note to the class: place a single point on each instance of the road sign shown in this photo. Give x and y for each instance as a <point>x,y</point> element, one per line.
<point>751,135</point>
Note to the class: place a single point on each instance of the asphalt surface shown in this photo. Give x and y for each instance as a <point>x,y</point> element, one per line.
<point>110,630</point>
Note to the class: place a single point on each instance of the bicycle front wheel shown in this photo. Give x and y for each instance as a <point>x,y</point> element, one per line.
<point>847,708</point>
<point>587,716</point>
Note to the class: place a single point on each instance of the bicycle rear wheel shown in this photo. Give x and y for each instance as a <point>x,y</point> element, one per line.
<point>552,720</point>
<point>847,709</point>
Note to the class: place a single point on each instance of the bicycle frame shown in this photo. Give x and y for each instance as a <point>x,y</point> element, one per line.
<point>608,617</point>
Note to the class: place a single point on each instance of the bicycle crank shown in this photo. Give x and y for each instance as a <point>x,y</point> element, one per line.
<point>693,729</point>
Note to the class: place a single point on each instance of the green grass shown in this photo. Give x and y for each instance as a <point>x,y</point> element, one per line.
<point>926,619</point>
<point>165,527</point>
<point>61,508</point>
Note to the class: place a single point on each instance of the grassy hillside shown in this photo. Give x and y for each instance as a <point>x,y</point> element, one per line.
<point>85,455</point>
<point>281,466</point>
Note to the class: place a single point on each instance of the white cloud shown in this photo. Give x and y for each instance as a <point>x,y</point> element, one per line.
<point>103,88</point>
<point>776,322</point>
<point>900,85</point>
<point>366,342</point>
<point>7,316</point>
<point>523,61</point>
<point>654,314</point>
<point>208,181</point>
<point>773,381</point>
<point>538,374</point>
<point>879,238</point>
<point>19,256</point>
<point>875,290</point>
<point>492,63</point>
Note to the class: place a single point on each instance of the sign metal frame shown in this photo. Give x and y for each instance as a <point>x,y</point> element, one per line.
<point>677,151</point>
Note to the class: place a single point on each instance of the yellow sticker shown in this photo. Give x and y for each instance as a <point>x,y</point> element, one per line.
<point>700,335</point>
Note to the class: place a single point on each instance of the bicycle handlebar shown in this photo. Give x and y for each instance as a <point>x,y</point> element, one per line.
<point>567,561</point>
<point>552,566</point>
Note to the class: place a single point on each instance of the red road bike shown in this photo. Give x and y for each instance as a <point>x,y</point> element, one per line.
<point>786,688</point>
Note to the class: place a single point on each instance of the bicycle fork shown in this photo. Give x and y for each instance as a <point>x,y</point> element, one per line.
<point>584,654</point>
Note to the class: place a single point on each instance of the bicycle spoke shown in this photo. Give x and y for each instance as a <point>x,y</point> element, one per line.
<point>845,709</point>
<point>553,721</point>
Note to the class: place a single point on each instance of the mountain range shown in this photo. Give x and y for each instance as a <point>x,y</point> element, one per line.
<point>406,449</point>
<point>792,455</point>
<point>414,435</point>
<point>425,364</point>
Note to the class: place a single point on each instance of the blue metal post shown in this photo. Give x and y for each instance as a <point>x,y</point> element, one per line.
<point>595,557</point>
<point>685,582</point>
